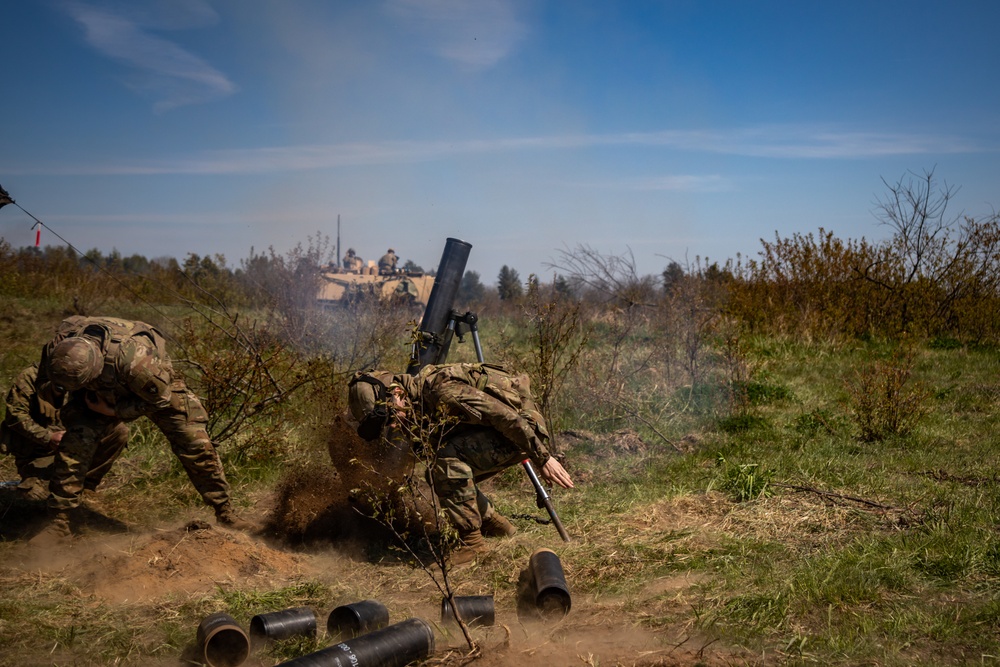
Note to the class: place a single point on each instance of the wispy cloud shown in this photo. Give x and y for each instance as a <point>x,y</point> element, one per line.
<point>679,183</point>
<point>801,141</point>
<point>474,34</point>
<point>159,68</point>
<point>772,142</point>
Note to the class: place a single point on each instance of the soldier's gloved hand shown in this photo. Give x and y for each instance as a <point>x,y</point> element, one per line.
<point>55,439</point>
<point>553,472</point>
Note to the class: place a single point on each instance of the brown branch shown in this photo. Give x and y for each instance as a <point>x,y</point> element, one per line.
<point>828,494</point>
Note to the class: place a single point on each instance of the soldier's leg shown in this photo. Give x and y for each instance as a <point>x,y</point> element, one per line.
<point>452,480</point>
<point>468,458</point>
<point>184,425</point>
<point>34,466</point>
<point>110,446</point>
<point>73,459</point>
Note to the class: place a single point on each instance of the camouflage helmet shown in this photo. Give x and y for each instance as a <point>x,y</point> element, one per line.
<point>367,395</point>
<point>75,362</point>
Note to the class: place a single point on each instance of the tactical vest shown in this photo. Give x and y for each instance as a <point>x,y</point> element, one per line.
<point>495,380</point>
<point>110,333</point>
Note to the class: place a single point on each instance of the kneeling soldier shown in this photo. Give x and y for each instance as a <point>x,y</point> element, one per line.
<point>490,423</point>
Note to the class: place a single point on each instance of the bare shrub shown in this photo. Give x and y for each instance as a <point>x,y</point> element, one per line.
<point>558,337</point>
<point>808,286</point>
<point>884,399</point>
<point>938,275</point>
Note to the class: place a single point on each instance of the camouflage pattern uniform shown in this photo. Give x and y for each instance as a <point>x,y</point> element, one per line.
<point>27,430</point>
<point>387,264</point>
<point>137,380</point>
<point>352,262</point>
<point>496,425</point>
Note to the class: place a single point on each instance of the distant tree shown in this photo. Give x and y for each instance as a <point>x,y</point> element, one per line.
<point>715,274</point>
<point>93,259</point>
<point>562,287</point>
<point>509,284</point>
<point>672,276</point>
<point>412,267</point>
<point>135,264</point>
<point>471,289</point>
<point>113,261</point>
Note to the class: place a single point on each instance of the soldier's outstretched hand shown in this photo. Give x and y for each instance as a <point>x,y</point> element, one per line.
<point>554,472</point>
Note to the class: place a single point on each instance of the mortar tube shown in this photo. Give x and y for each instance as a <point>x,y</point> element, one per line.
<point>394,646</point>
<point>222,641</point>
<point>275,625</point>
<point>440,303</point>
<point>357,618</point>
<point>474,610</point>
<point>551,593</point>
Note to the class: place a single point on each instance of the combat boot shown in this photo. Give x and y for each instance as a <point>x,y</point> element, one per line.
<point>56,533</point>
<point>471,545</point>
<point>497,525</point>
<point>226,516</point>
<point>33,488</point>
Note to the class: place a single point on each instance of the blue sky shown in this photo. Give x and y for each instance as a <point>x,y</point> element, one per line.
<point>670,129</point>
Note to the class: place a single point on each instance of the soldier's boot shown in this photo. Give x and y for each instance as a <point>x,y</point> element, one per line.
<point>55,534</point>
<point>33,488</point>
<point>470,546</point>
<point>497,525</point>
<point>226,516</point>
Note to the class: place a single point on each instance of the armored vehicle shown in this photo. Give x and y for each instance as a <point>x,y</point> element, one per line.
<point>342,287</point>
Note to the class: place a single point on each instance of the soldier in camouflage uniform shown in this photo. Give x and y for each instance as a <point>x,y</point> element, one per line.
<point>114,371</point>
<point>487,422</point>
<point>352,262</point>
<point>32,431</point>
<point>387,263</point>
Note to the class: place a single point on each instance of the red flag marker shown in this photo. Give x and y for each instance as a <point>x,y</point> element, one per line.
<point>38,236</point>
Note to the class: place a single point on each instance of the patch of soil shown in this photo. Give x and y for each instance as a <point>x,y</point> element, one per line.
<point>194,558</point>
<point>315,529</point>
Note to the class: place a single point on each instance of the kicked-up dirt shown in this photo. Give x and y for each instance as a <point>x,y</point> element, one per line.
<point>311,529</point>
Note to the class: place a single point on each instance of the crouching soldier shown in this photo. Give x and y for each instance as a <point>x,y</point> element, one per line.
<point>32,431</point>
<point>112,371</point>
<point>487,421</point>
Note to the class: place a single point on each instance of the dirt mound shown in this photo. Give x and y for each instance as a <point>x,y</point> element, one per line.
<point>193,558</point>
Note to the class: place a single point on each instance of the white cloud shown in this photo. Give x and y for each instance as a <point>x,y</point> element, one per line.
<point>160,69</point>
<point>772,142</point>
<point>476,34</point>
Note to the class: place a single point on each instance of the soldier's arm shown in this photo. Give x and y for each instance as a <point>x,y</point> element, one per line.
<point>19,419</point>
<point>473,406</point>
<point>146,375</point>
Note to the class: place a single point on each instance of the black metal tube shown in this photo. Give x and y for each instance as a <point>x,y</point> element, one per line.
<point>440,303</point>
<point>296,622</point>
<point>473,609</point>
<point>394,646</point>
<point>222,641</point>
<point>358,618</point>
<point>551,593</point>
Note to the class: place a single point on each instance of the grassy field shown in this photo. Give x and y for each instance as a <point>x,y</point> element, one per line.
<point>736,513</point>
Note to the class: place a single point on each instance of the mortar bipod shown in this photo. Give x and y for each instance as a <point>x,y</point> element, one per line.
<point>459,325</point>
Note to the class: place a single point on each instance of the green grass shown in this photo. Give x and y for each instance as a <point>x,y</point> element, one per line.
<point>775,530</point>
